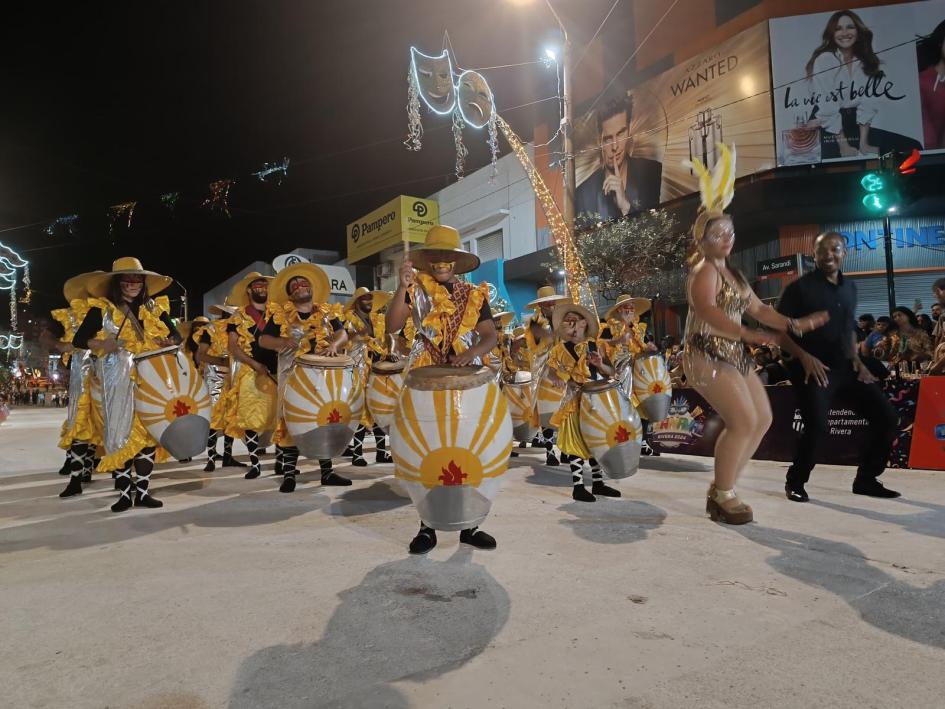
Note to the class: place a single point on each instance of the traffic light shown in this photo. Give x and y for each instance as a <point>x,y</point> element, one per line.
<point>880,193</point>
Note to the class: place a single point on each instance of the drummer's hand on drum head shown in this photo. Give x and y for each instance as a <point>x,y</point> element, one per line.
<point>595,358</point>
<point>462,359</point>
<point>331,350</point>
<point>165,342</point>
<point>407,275</point>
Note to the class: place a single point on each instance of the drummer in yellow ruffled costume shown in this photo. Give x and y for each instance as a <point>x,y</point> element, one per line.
<point>82,430</point>
<point>301,321</point>
<point>124,319</point>
<point>576,360</point>
<point>453,324</point>
<point>539,340</point>
<point>499,358</point>
<point>623,339</point>
<point>364,319</point>
<point>250,407</point>
<point>212,358</point>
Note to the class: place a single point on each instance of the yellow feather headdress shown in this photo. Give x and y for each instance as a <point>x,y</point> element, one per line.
<point>716,189</point>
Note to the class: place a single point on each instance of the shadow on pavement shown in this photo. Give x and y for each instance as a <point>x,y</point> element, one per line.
<point>929,523</point>
<point>911,612</point>
<point>412,619</point>
<point>613,521</point>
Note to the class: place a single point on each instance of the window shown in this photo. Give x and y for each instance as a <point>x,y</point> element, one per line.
<point>489,247</point>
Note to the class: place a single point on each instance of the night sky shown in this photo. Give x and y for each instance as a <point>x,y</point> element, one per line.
<point>104,103</point>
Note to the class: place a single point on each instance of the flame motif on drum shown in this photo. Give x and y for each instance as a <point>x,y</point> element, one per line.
<point>383,390</point>
<point>318,397</point>
<point>452,437</point>
<point>168,387</point>
<point>608,420</point>
<point>650,377</point>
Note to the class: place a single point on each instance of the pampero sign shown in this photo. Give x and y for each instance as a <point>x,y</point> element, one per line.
<point>403,218</point>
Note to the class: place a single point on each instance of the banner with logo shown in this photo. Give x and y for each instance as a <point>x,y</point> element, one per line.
<point>857,83</point>
<point>693,426</point>
<point>403,218</point>
<point>630,147</point>
<point>928,433</point>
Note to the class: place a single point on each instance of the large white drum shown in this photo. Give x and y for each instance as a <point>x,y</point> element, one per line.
<point>451,441</point>
<point>520,393</point>
<point>322,405</point>
<point>652,386</point>
<point>611,428</point>
<point>550,394</point>
<point>172,401</point>
<point>383,388</point>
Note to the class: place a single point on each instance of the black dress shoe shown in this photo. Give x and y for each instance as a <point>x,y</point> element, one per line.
<point>331,478</point>
<point>124,503</point>
<point>146,500</point>
<point>477,538</point>
<point>288,484</point>
<point>359,461</point>
<point>873,488</point>
<point>599,488</point>
<point>424,541</point>
<point>582,495</point>
<point>253,473</point>
<point>73,488</point>
<point>795,493</point>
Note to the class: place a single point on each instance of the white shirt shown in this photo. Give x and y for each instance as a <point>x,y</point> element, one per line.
<point>829,74</point>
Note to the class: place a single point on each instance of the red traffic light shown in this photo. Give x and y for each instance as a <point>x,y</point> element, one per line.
<point>908,165</point>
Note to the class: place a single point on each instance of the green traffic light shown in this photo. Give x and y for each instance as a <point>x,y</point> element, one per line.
<point>872,182</point>
<point>874,202</point>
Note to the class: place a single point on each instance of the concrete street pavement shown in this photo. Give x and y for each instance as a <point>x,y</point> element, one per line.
<point>235,595</point>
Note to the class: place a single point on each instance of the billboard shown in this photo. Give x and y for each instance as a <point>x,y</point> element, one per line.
<point>630,146</point>
<point>403,218</point>
<point>857,83</point>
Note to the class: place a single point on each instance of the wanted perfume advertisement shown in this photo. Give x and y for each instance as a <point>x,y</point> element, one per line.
<point>631,145</point>
<point>849,84</point>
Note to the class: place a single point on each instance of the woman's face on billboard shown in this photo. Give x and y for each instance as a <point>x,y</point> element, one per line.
<point>845,35</point>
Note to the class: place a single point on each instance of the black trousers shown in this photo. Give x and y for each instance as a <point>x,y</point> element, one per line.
<point>814,401</point>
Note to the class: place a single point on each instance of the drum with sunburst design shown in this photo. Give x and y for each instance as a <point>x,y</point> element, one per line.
<point>520,392</point>
<point>451,441</point>
<point>172,401</point>
<point>652,386</point>
<point>322,405</point>
<point>383,388</point>
<point>550,393</point>
<point>611,428</point>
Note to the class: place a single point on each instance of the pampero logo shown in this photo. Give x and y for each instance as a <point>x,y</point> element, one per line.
<point>420,209</point>
<point>293,259</point>
<point>355,233</point>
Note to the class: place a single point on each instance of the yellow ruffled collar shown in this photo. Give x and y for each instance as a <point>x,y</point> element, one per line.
<point>444,308</point>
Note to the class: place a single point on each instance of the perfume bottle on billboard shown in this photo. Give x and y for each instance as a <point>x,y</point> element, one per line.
<point>704,136</point>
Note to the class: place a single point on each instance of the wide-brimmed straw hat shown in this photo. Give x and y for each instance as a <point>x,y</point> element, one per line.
<point>518,333</point>
<point>98,283</point>
<point>224,309</point>
<point>640,306</point>
<point>186,328</point>
<point>546,296</point>
<point>238,296</point>
<point>442,244</point>
<point>562,309</point>
<point>379,298</point>
<point>78,286</point>
<point>316,277</point>
<point>505,318</point>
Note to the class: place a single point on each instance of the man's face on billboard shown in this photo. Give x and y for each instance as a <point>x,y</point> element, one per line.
<point>614,139</point>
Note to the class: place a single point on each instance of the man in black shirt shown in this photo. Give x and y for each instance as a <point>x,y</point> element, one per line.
<point>826,364</point>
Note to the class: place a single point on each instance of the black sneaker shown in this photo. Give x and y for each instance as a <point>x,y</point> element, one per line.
<point>288,484</point>
<point>582,495</point>
<point>146,500</point>
<point>477,538</point>
<point>332,478</point>
<point>73,488</point>
<point>873,488</point>
<point>795,492</point>
<point>424,541</point>
<point>599,488</point>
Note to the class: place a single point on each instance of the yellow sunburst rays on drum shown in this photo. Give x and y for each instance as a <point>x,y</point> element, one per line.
<point>447,450</point>
<point>521,400</point>
<point>165,391</point>
<point>607,421</point>
<point>650,378</point>
<point>382,396</point>
<point>335,403</point>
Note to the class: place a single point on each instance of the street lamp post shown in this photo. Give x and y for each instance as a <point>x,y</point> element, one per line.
<point>566,125</point>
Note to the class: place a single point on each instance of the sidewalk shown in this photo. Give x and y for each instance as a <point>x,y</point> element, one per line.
<point>237,595</point>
